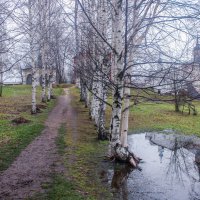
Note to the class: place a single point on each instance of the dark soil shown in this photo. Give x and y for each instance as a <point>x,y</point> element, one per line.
<point>20,120</point>
<point>28,107</point>
<point>53,97</point>
<point>41,106</point>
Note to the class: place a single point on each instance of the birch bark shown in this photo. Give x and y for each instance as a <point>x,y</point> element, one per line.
<point>49,87</point>
<point>2,49</point>
<point>44,47</point>
<point>43,74</point>
<point>102,134</point>
<point>77,78</point>
<point>95,82</point>
<point>116,149</point>
<point>1,75</point>
<point>118,90</point>
<point>32,55</point>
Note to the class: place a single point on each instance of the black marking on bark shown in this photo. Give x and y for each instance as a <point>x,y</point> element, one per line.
<point>116,117</point>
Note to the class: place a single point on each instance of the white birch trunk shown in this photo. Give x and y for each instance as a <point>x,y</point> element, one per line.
<point>82,91</point>
<point>125,118</point>
<point>93,99</point>
<point>118,91</point>
<point>102,134</point>
<point>77,82</point>
<point>50,87</point>
<point>116,149</point>
<point>3,39</point>
<point>96,87</point>
<point>43,76</point>
<point>32,56</point>
<point>1,83</point>
<point>44,47</point>
<point>113,62</point>
<point>34,103</point>
<point>1,76</point>
<point>77,78</point>
<point>125,114</point>
<point>97,103</point>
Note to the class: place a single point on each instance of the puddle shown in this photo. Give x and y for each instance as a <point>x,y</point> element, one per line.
<point>169,170</point>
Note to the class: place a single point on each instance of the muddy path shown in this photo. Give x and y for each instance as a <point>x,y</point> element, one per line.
<point>38,161</point>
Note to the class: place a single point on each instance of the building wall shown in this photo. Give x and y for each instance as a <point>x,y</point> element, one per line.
<point>28,72</point>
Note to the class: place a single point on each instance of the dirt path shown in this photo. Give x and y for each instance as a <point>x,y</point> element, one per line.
<point>35,164</point>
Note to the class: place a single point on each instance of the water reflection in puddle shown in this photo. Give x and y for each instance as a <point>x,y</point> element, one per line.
<point>169,170</point>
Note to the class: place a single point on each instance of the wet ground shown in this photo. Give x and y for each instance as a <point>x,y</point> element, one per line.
<point>168,170</point>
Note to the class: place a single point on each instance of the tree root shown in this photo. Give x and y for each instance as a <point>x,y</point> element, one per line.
<point>124,155</point>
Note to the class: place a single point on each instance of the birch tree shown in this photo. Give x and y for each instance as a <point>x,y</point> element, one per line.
<point>5,39</point>
<point>32,54</point>
<point>2,49</point>
<point>139,29</point>
<point>43,10</point>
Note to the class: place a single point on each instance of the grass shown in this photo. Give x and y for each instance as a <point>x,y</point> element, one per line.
<point>14,138</point>
<point>82,154</point>
<point>153,116</point>
<point>62,189</point>
<point>60,142</point>
<point>59,189</point>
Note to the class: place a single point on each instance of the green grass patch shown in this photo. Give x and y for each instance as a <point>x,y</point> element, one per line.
<point>16,90</point>
<point>59,189</point>
<point>60,142</point>
<point>63,85</point>
<point>160,116</point>
<point>20,138</point>
<point>63,189</point>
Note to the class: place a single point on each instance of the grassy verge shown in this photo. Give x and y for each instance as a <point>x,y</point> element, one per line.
<point>82,155</point>
<point>60,188</point>
<point>14,138</point>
